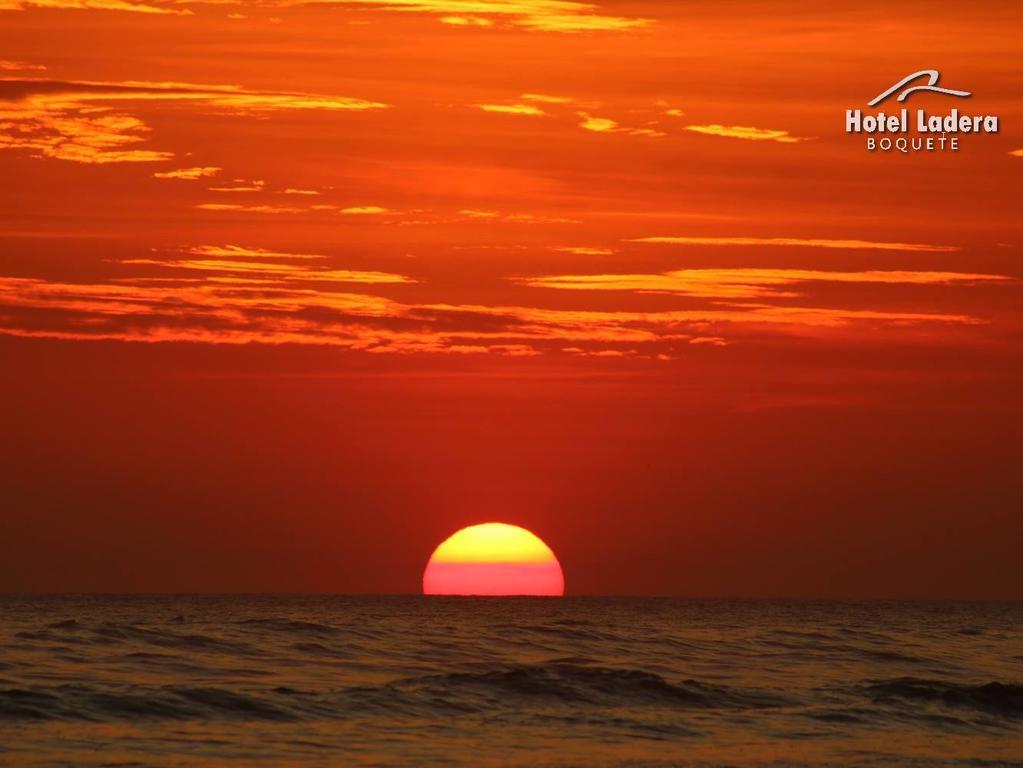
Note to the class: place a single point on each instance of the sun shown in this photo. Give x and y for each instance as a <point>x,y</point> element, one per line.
<point>493,559</point>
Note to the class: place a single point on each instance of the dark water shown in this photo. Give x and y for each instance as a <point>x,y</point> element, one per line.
<point>290,681</point>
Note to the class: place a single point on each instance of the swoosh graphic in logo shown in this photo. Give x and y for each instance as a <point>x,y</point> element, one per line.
<point>932,76</point>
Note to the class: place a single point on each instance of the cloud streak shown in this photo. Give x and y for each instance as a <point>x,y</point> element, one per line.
<point>95,5</point>
<point>746,132</point>
<point>82,121</point>
<point>566,16</point>
<point>800,243</point>
<point>745,283</point>
<point>275,270</point>
<point>189,174</point>
<point>239,251</point>
<point>235,294</point>
<point>7,65</point>
<point>512,109</point>
<point>238,207</point>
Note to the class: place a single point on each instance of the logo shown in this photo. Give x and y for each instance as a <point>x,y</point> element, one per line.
<point>926,132</point>
<point>933,76</point>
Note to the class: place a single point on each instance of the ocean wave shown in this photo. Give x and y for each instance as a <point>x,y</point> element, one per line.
<point>561,683</point>
<point>823,645</point>
<point>84,702</point>
<point>65,624</point>
<point>1004,699</point>
<point>532,688</point>
<point>319,649</point>
<point>111,633</point>
<point>289,626</point>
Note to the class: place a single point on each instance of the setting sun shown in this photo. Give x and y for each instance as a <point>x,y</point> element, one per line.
<point>493,559</point>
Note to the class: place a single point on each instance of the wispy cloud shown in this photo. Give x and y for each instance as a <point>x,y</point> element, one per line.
<point>189,174</point>
<point>511,109</point>
<point>744,283</point>
<point>536,15</point>
<point>746,132</point>
<point>467,21</point>
<point>597,124</point>
<point>364,210</point>
<point>240,251</point>
<point>607,125</point>
<point>562,107</point>
<point>18,66</point>
<point>799,242</point>
<point>545,98</point>
<point>253,295</point>
<point>714,341</point>
<point>530,218</point>
<point>580,250</point>
<point>241,185</point>
<point>273,270</point>
<point>249,208</point>
<point>95,5</point>
<point>80,121</point>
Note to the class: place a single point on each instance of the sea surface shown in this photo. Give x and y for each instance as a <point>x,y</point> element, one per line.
<point>413,681</point>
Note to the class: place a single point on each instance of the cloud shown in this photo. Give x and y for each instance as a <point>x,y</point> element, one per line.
<point>77,135</point>
<point>236,295</point>
<point>79,121</point>
<point>271,270</point>
<point>364,210</point>
<point>189,174</point>
<point>238,251</point>
<point>294,191</point>
<point>584,250</point>
<point>597,124</point>
<point>746,132</point>
<point>649,331</point>
<point>467,21</point>
<point>241,186</point>
<point>529,218</point>
<point>744,283</point>
<point>353,210</point>
<point>537,15</point>
<point>545,99</point>
<point>539,104</point>
<point>800,242</point>
<point>15,66</point>
<point>606,125</point>
<point>714,341</point>
<point>249,208</point>
<point>581,23</point>
<point>514,218</point>
<point>511,109</point>
<point>94,5</point>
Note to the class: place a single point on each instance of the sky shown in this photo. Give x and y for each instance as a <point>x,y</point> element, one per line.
<point>291,291</point>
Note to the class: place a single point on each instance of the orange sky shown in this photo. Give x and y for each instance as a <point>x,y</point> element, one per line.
<point>291,291</point>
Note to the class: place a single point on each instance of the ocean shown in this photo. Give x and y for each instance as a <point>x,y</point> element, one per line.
<point>579,681</point>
